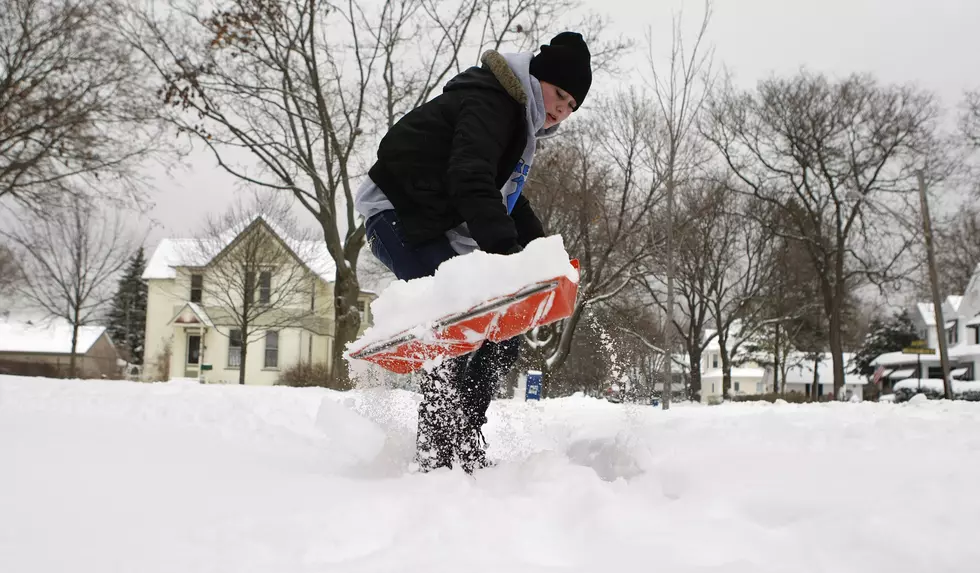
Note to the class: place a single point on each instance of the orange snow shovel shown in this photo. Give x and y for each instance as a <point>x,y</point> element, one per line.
<point>496,320</point>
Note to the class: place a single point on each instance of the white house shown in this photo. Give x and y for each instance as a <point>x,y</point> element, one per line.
<point>748,378</point>
<point>800,377</point>
<point>190,333</point>
<point>961,315</point>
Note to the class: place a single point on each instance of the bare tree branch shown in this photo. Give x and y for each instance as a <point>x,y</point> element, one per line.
<point>69,264</point>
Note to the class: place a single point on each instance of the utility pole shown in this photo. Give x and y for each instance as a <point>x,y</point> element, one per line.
<point>937,302</point>
<point>669,334</point>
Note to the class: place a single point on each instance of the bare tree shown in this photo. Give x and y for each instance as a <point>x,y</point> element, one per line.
<point>69,260</point>
<point>594,191</point>
<point>680,91</point>
<point>699,234</point>
<point>259,277</point>
<point>644,327</point>
<point>837,160</point>
<point>73,112</point>
<point>9,273</point>
<point>970,121</point>
<point>739,268</point>
<point>292,83</point>
<point>958,249</point>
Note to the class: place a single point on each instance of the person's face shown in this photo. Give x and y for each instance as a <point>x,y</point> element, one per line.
<point>558,104</point>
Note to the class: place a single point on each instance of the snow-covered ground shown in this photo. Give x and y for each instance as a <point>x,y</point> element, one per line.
<point>102,476</point>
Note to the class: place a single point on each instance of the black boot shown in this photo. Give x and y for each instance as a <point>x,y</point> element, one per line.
<point>472,448</point>
<point>438,419</point>
<point>483,373</point>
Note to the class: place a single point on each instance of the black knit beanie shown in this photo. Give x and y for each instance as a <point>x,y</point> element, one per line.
<point>566,63</point>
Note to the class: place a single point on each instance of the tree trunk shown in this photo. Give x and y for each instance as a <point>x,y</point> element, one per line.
<point>73,359</point>
<point>696,371</point>
<point>815,387</point>
<point>726,366</point>
<point>775,367</point>
<point>241,361</point>
<point>837,354</point>
<point>346,324</point>
<point>347,319</point>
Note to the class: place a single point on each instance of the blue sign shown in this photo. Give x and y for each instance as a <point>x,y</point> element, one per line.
<point>533,391</point>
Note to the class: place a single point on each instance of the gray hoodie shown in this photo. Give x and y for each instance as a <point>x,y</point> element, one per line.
<point>370,200</point>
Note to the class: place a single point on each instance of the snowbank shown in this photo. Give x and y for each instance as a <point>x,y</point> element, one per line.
<point>959,386</point>
<point>461,283</point>
<point>119,476</point>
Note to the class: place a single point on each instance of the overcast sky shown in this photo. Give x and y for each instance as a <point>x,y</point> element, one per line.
<point>933,43</point>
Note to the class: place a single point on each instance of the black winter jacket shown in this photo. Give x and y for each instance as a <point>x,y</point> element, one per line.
<point>445,162</point>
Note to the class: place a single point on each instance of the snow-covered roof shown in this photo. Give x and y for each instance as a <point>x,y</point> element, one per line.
<point>741,373</point>
<point>899,358</point>
<point>50,336</point>
<point>173,253</point>
<point>959,386</point>
<point>802,372</point>
<point>927,313</point>
<point>927,310</point>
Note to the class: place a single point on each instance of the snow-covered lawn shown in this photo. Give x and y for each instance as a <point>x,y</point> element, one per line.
<point>116,476</point>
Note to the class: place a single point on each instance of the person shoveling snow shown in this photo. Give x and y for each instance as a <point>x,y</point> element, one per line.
<point>448,182</point>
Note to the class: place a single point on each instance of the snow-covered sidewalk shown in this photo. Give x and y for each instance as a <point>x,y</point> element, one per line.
<point>115,476</point>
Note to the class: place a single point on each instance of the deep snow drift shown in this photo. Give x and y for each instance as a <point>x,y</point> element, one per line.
<point>117,476</point>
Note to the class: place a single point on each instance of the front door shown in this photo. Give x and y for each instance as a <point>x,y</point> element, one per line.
<point>193,364</point>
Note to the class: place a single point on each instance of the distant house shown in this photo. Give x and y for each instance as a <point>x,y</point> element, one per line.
<point>961,315</point>
<point>43,348</point>
<point>750,378</point>
<point>187,329</point>
<point>800,377</point>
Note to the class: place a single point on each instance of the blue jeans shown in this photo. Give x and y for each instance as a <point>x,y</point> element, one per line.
<point>469,380</point>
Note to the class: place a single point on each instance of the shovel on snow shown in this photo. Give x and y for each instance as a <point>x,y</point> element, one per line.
<point>497,319</point>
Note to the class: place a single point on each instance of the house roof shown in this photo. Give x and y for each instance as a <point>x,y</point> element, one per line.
<point>927,313</point>
<point>50,336</point>
<point>742,373</point>
<point>192,313</point>
<point>927,309</point>
<point>188,252</point>
<point>898,358</point>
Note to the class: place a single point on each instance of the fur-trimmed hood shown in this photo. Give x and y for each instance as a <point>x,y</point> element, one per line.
<point>496,63</point>
<point>507,80</point>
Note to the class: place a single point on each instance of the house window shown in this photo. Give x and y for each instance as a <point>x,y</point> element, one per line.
<point>951,334</point>
<point>272,349</point>
<point>714,361</point>
<point>265,287</point>
<point>235,348</point>
<point>313,296</point>
<point>758,387</point>
<point>197,287</point>
<point>737,386</point>
<point>712,388</point>
<point>362,309</point>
